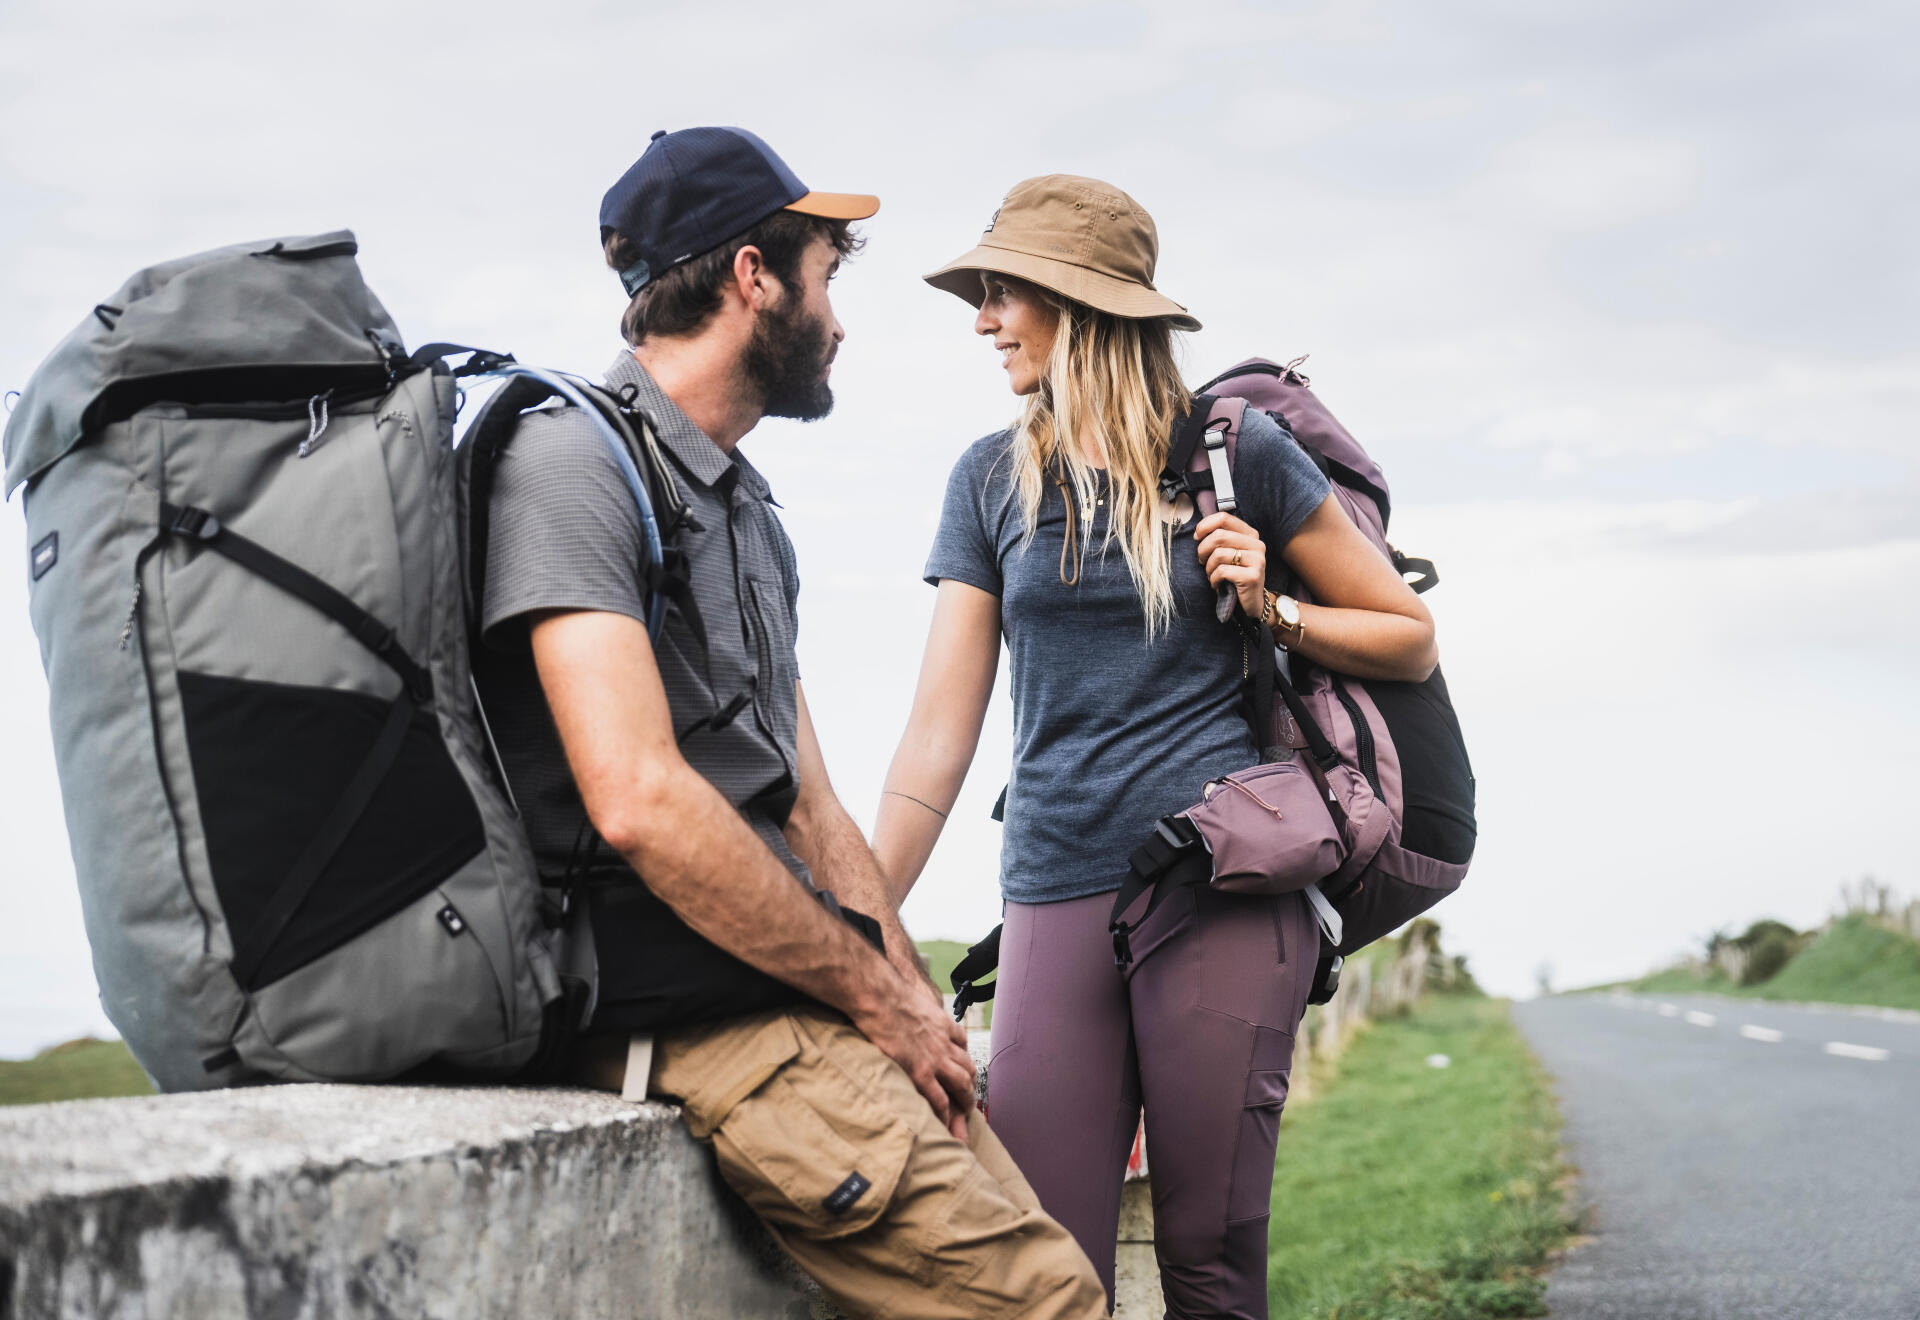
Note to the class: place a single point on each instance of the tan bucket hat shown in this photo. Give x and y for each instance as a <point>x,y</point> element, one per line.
<point>1079,237</point>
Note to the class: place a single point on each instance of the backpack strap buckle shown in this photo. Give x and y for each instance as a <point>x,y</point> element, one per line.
<point>188,521</point>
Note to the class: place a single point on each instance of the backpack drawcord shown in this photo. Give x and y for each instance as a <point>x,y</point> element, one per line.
<point>1070,546</point>
<point>317,420</point>
<point>1235,783</point>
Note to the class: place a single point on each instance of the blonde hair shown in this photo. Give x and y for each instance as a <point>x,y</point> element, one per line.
<point>1113,381</point>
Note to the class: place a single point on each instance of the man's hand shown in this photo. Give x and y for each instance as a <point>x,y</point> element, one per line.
<point>914,1031</point>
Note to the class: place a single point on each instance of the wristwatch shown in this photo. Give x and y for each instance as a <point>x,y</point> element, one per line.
<point>1285,611</point>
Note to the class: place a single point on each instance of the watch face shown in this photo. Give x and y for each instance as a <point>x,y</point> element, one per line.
<point>1289,611</point>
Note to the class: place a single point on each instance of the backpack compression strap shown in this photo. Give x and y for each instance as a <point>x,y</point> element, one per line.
<point>202,527</point>
<point>1172,855</point>
<point>251,947</point>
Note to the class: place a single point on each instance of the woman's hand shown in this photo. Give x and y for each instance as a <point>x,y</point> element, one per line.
<point>1231,551</point>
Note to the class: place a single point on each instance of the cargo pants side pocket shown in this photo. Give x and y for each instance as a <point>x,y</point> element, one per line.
<point>813,1155</point>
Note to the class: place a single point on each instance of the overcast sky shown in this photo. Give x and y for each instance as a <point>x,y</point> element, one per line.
<point>1623,295</point>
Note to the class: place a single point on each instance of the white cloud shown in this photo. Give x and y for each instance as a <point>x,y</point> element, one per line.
<point>1584,175</point>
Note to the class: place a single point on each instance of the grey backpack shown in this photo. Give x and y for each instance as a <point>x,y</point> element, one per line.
<point>295,859</point>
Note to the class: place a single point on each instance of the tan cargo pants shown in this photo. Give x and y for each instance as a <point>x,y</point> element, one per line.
<point>831,1144</point>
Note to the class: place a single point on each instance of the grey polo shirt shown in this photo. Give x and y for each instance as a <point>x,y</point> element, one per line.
<point>565,535</point>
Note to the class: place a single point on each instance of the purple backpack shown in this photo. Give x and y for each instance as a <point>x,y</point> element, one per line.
<point>1385,758</point>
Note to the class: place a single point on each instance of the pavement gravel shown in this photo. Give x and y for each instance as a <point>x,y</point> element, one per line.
<point>1732,1166</point>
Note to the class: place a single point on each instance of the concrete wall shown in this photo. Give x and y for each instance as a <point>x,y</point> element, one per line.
<point>310,1202</point>
<point>304,1202</point>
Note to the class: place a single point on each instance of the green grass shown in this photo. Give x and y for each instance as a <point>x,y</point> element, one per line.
<point>77,1070</point>
<point>1683,981</point>
<point>1407,1192</point>
<point>941,955</point>
<point>1854,961</point>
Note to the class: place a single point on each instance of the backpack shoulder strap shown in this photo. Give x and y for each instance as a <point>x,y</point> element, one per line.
<point>631,434</point>
<point>1186,434</point>
<point>1220,438</point>
<point>1200,456</point>
<point>486,439</point>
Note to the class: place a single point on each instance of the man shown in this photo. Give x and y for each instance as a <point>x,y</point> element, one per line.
<point>825,1073</point>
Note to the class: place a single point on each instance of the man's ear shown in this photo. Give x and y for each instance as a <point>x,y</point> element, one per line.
<point>751,279</point>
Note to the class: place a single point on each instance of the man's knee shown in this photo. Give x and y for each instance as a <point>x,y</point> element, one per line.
<point>881,1204</point>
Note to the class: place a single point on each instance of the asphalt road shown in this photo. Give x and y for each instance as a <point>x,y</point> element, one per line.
<point>1740,1160</point>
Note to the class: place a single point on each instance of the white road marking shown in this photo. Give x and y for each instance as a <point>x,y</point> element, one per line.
<point>1668,1010</point>
<point>1768,1034</point>
<point>1701,1019</point>
<point>1871,1053</point>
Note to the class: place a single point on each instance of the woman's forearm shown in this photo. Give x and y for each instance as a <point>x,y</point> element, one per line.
<point>949,706</point>
<point>921,787</point>
<point>1364,643</point>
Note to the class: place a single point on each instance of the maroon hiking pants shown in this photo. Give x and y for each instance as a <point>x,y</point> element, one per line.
<point>1200,1029</point>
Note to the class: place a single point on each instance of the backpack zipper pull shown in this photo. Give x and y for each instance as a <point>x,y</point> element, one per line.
<point>317,420</point>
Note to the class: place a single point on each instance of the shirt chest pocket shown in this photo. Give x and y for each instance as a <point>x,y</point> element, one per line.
<point>768,625</point>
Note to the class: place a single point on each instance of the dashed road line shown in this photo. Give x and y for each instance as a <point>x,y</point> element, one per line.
<point>1767,1034</point>
<point>1669,1010</point>
<point>1698,1019</point>
<point>1871,1053</point>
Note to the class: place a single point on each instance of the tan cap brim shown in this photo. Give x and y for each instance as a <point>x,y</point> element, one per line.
<point>1106,293</point>
<point>836,206</point>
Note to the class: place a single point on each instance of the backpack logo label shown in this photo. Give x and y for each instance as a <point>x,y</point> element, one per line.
<point>841,1199</point>
<point>45,555</point>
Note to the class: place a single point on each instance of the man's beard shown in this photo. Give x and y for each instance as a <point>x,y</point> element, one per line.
<point>786,361</point>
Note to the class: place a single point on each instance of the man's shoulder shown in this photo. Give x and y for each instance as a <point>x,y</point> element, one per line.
<point>558,432</point>
<point>558,453</point>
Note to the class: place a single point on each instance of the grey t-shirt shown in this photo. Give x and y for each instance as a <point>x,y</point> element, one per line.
<point>1110,731</point>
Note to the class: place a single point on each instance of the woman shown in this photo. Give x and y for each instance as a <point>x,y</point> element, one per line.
<point>1126,690</point>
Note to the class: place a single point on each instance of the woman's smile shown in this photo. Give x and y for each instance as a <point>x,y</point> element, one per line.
<point>1010,307</point>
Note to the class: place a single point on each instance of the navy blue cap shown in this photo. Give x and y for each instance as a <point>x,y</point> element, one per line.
<point>693,190</point>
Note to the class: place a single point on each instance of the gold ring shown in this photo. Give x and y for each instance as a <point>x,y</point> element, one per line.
<point>1236,559</point>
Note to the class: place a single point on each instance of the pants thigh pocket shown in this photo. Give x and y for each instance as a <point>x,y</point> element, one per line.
<point>1251,1194</point>
<point>811,1155</point>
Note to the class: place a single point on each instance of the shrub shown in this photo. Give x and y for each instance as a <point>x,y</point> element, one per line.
<point>1773,950</point>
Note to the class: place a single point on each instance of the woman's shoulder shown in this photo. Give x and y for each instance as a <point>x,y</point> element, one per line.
<point>1263,432</point>
<point>978,461</point>
<point>1273,471</point>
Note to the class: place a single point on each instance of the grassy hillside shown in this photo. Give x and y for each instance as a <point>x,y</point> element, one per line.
<point>1409,1192</point>
<point>77,1070</point>
<point>1854,961</point>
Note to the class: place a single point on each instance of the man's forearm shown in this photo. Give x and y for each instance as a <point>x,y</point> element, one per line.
<point>827,840</point>
<point>721,879</point>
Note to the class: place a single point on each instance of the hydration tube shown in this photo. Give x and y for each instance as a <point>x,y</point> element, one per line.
<point>650,526</point>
